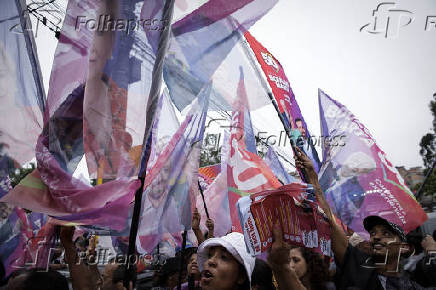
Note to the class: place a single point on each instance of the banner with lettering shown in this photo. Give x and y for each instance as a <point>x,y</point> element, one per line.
<point>357,178</point>
<point>284,97</point>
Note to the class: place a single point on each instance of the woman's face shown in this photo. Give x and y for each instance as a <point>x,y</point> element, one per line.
<point>298,263</point>
<point>159,185</point>
<point>193,267</point>
<point>221,271</point>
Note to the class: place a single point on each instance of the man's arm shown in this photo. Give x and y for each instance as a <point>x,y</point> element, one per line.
<point>339,240</point>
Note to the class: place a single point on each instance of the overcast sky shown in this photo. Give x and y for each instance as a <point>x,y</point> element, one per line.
<point>387,82</point>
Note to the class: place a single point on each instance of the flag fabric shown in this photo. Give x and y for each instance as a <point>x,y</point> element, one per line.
<point>194,56</point>
<point>246,172</point>
<point>209,173</point>
<point>52,189</point>
<point>273,162</point>
<point>284,98</point>
<point>357,178</point>
<point>22,92</point>
<point>25,239</point>
<point>216,195</point>
<point>104,47</point>
<point>171,186</point>
<point>165,125</point>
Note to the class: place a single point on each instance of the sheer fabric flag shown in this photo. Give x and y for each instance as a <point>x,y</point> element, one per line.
<point>246,172</point>
<point>164,127</point>
<point>171,185</point>
<point>22,92</point>
<point>357,178</point>
<point>209,173</point>
<point>273,162</point>
<point>100,76</point>
<point>284,97</point>
<point>105,45</point>
<point>216,196</point>
<point>25,239</point>
<point>51,189</point>
<point>202,40</point>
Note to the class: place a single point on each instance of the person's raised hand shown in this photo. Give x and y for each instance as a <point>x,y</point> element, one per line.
<point>210,227</point>
<point>428,243</point>
<point>278,254</point>
<point>66,235</point>
<point>196,220</point>
<point>302,161</point>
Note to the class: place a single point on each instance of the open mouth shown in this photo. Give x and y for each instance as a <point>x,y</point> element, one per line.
<point>378,246</point>
<point>206,276</point>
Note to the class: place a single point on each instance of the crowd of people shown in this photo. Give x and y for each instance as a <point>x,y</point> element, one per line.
<point>389,260</point>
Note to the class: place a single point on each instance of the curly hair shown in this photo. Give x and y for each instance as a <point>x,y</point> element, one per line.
<point>317,269</point>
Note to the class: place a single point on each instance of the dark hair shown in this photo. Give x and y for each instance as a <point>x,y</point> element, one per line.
<point>414,238</point>
<point>119,274</point>
<point>246,285</point>
<point>317,269</point>
<point>262,276</point>
<point>187,254</point>
<point>81,241</point>
<point>298,120</point>
<point>45,280</point>
<point>168,269</point>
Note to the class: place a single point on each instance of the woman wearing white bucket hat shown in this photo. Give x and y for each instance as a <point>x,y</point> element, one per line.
<point>225,263</point>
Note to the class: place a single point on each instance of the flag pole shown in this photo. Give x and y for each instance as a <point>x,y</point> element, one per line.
<point>204,201</point>
<point>156,83</point>
<point>182,257</point>
<point>253,62</point>
<point>419,192</point>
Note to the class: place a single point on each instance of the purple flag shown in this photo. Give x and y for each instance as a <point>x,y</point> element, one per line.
<point>272,160</point>
<point>22,93</point>
<point>356,176</point>
<point>171,185</point>
<point>202,40</point>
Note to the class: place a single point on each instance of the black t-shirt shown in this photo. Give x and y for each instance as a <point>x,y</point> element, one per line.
<point>358,272</point>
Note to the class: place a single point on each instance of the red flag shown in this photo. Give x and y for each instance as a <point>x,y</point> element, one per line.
<point>246,172</point>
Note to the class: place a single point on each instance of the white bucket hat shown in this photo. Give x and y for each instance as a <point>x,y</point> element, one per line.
<point>234,243</point>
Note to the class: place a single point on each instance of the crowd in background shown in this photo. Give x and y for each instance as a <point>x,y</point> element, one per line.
<point>389,260</point>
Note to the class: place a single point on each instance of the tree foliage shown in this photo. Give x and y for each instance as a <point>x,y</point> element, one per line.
<point>17,175</point>
<point>428,153</point>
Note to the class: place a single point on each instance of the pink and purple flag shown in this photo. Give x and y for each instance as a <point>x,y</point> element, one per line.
<point>357,178</point>
<point>170,187</point>
<point>22,92</point>
<point>246,172</point>
<point>201,41</point>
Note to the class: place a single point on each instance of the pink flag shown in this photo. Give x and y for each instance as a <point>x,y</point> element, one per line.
<point>356,176</point>
<point>170,187</point>
<point>246,172</point>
